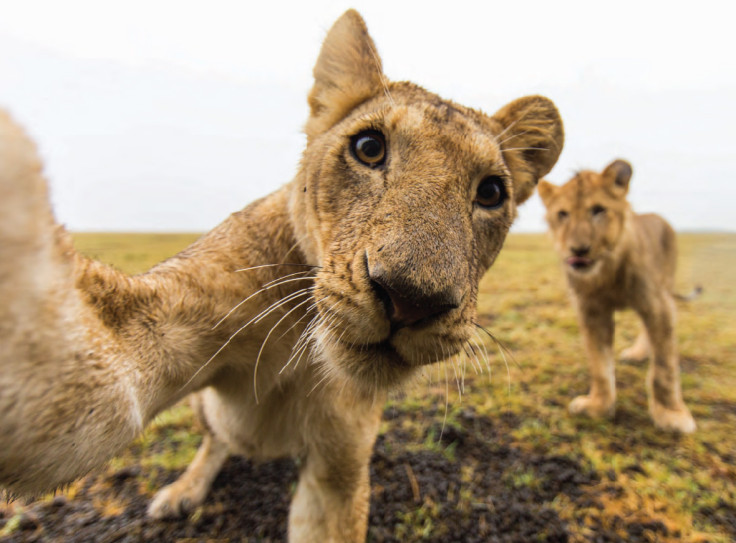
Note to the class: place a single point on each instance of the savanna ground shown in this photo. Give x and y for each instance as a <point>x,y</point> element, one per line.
<point>479,457</point>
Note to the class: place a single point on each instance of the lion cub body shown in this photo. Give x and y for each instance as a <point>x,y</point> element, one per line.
<point>292,319</point>
<point>616,259</point>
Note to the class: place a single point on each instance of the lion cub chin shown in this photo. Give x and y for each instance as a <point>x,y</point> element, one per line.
<point>614,259</point>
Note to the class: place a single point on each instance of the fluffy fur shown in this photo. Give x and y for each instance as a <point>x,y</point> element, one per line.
<point>291,319</point>
<point>613,259</point>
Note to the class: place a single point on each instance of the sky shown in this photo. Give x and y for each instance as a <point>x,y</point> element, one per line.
<point>169,115</point>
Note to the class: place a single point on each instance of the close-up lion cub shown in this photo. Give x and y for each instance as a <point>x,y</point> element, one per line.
<point>615,259</point>
<point>293,318</point>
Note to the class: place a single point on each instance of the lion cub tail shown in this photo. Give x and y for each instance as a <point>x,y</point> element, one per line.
<point>696,292</point>
<point>38,331</point>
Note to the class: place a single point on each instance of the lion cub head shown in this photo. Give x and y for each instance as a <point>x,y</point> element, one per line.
<point>587,216</point>
<point>404,200</point>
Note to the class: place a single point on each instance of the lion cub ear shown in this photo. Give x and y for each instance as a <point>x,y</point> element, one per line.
<point>617,176</point>
<point>547,192</point>
<point>348,72</point>
<point>531,140</point>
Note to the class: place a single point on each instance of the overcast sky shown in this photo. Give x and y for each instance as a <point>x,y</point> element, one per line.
<point>169,115</point>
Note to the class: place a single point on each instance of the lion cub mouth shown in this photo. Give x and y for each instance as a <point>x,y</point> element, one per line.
<point>580,263</point>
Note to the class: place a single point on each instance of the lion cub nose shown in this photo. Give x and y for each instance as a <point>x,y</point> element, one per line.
<point>407,304</point>
<point>582,250</point>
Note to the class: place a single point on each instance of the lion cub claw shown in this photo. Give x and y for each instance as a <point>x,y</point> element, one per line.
<point>592,407</point>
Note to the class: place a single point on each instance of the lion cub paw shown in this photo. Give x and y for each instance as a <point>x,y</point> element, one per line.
<point>591,407</point>
<point>673,420</point>
<point>634,354</point>
<point>175,501</point>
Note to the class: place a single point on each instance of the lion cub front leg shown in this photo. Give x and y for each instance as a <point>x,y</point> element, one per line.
<point>189,491</point>
<point>329,507</point>
<point>597,326</point>
<point>332,499</point>
<point>666,406</point>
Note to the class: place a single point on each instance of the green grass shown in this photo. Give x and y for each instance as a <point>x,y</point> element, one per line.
<point>524,303</point>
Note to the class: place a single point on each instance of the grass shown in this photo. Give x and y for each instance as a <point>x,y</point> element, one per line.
<point>675,480</point>
<point>525,303</point>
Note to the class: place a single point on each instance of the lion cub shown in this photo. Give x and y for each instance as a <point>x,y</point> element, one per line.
<point>290,320</point>
<point>615,258</point>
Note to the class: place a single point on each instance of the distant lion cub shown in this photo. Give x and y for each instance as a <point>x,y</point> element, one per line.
<point>614,259</point>
<point>292,319</point>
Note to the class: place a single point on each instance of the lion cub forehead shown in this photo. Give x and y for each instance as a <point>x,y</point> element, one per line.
<point>444,123</point>
<point>585,187</point>
<point>584,182</point>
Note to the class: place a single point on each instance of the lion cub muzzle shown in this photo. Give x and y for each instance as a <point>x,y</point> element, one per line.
<point>579,259</point>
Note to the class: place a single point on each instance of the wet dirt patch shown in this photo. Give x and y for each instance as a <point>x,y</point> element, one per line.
<point>465,483</point>
<point>723,515</point>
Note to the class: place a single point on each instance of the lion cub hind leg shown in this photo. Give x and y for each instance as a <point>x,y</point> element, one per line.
<point>640,350</point>
<point>597,326</point>
<point>189,491</point>
<point>666,406</point>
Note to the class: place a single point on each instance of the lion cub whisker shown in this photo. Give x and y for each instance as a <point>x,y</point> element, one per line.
<point>260,266</point>
<point>307,337</point>
<point>279,279</point>
<point>278,304</point>
<point>299,320</point>
<point>263,314</point>
<point>300,352</point>
<point>460,387</point>
<point>480,347</point>
<point>271,284</point>
<point>503,350</point>
<point>447,404</point>
<point>524,149</point>
<point>265,340</point>
<point>472,356</point>
<point>301,345</point>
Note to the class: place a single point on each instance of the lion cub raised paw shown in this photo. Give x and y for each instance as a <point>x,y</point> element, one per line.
<point>291,320</point>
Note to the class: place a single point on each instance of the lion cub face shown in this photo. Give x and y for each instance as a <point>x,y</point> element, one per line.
<point>587,215</point>
<point>404,199</point>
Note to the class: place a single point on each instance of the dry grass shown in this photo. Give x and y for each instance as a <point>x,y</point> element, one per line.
<point>668,478</point>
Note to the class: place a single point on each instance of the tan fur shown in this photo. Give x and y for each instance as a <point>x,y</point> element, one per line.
<point>385,259</point>
<point>615,259</point>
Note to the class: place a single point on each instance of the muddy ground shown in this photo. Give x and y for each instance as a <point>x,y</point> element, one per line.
<point>470,485</point>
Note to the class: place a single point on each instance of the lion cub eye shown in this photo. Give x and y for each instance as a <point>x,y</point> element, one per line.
<point>597,210</point>
<point>491,192</point>
<point>562,215</point>
<point>369,147</point>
